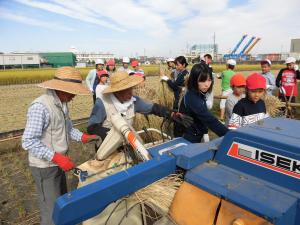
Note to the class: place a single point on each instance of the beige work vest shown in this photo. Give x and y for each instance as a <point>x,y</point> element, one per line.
<point>55,136</point>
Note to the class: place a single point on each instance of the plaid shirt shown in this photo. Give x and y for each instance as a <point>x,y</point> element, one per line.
<point>38,119</point>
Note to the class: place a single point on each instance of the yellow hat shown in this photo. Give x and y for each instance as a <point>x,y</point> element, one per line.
<point>120,81</point>
<point>66,79</point>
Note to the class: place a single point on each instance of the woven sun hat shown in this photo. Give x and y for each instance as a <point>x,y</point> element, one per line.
<point>66,79</point>
<point>120,81</point>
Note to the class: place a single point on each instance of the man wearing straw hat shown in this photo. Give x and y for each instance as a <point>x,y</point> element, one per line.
<point>118,99</point>
<point>47,134</point>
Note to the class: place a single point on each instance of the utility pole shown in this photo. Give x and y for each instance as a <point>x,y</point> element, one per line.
<point>215,49</point>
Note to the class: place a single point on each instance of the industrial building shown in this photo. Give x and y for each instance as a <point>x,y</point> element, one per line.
<point>58,59</point>
<point>20,60</point>
<point>90,57</point>
<point>199,49</point>
<point>295,45</point>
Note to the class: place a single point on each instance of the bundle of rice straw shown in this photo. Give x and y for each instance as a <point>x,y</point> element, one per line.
<point>273,105</point>
<point>159,195</point>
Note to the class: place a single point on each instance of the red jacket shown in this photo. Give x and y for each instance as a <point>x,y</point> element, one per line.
<point>288,79</point>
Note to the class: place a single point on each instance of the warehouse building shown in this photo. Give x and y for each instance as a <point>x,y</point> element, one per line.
<point>58,59</point>
<point>295,45</point>
<point>20,60</point>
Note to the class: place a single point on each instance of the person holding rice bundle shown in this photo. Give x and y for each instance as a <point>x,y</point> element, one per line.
<point>118,97</point>
<point>177,86</point>
<point>92,79</point>
<point>111,66</point>
<point>193,104</point>
<point>251,108</point>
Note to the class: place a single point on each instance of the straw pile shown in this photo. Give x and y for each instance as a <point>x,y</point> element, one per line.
<point>273,105</point>
<point>159,195</point>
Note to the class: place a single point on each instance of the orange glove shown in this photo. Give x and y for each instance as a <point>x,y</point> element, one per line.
<point>64,162</point>
<point>85,138</point>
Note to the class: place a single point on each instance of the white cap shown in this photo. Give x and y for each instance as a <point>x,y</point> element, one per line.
<point>266,61</point>
<point>290,60</point>
<point>99,61</point>
<point>231,62</point>
<point>126,59</point>
<point>170,59</point>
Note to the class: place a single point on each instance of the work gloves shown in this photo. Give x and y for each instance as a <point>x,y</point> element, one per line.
<point>64,162</point>
<point>296,67</point>
<point>164,78</point>
<point>86,138</point>
<point>182,119</point>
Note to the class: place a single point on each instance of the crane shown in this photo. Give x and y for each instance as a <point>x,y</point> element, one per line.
<point>251,46</point>
<point>238,44</point>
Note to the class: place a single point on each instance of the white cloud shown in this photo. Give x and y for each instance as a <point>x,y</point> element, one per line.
<point>5,14</point>
<point>72,11</point>
<point>272,20</point>
<point>166,26</point>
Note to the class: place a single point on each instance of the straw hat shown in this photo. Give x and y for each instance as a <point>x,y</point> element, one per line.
<point>66,79</point>
<point>120,81</point>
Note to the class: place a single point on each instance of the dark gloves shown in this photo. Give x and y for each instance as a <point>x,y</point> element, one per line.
<point>182,119</point>
<point>177,117</point>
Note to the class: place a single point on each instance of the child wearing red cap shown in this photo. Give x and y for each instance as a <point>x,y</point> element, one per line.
<point>111,66</point>
<point>251,108</point>
<point>103,77</point>
<point>136,67</point>
<point>238,84</point>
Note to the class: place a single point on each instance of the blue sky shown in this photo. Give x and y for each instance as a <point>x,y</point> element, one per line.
<point>160,27</point>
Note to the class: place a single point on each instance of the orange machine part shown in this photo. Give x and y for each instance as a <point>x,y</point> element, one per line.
<point>231,214</point>
<point>193,206</point>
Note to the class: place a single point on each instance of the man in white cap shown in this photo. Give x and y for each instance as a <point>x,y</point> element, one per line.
<point>118,98</point>
<point>47,135</point>
<point>125,63</point>
<point>226,88</point>
<point>92,79</point>
<point>286,80</point>
<point>270,78</point>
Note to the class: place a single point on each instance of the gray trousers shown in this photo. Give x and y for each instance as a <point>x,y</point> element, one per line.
<point>50,184</point>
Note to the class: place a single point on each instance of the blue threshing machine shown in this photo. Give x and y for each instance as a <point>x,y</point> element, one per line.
<point>255,170</point>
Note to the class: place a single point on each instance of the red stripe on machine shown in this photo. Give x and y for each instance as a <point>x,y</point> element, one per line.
<point>262,158</point>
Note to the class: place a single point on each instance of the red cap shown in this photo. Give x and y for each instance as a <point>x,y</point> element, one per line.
<point>102,73</point>
<point>111,62</point>
<point>256,81</point>
<point>134,63</point>
<point>238,80</point>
